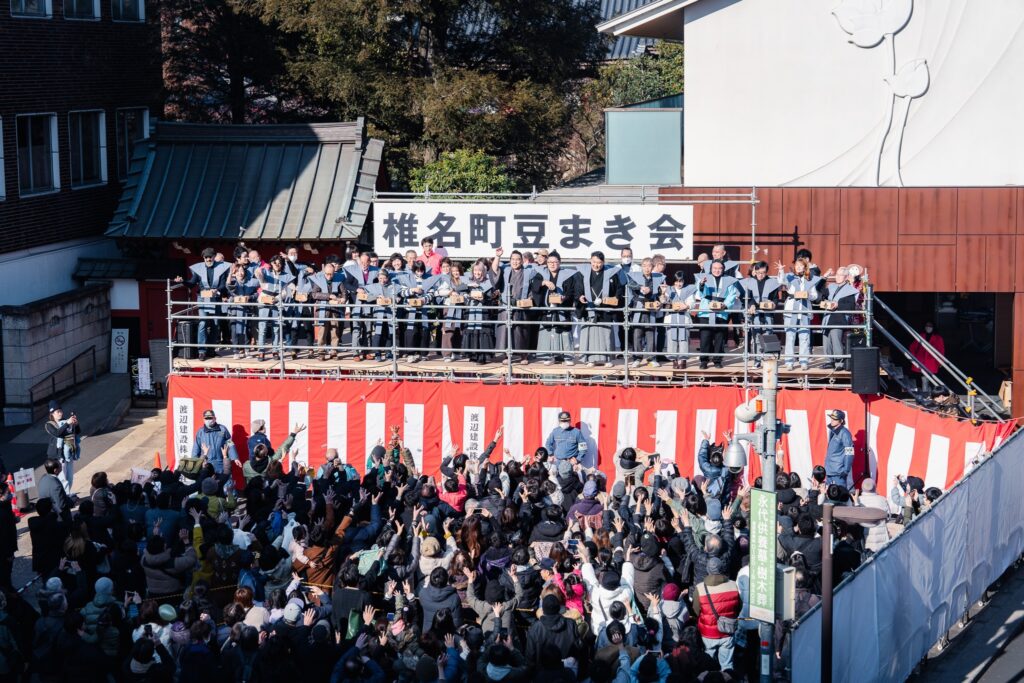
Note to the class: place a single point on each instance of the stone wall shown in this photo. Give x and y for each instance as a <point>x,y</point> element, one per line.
<point>42,336</point>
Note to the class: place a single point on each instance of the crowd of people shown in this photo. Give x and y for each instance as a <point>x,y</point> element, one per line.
<point>528,307</point>
<point>491,570</point>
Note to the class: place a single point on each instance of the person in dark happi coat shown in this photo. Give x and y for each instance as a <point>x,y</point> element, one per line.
<point>761,297</point>
<point>358,277</point>
<point>327,289</point>
<point>518,284</point>
<point>643,291</point>
<point>601,299</point>
<point>415,293</point>
<point>210,278</point>
<point>839,301</point>
<point>298,323</point>
<point>559,290</point>
<point>243,287</point>
<point>680,305</point>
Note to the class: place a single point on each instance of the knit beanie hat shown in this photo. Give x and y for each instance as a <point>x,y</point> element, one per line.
<point>590,489</point>
<point>104,586</point>
<point>430,547</point>
<point>670,592</point>
<point>550,605</point>
<point>210,486</point>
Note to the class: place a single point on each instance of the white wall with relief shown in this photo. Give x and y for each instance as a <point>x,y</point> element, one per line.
<point>854,92</point>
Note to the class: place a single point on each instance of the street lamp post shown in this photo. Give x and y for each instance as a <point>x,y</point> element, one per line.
<point>763,441</point>
<point>865,515</point>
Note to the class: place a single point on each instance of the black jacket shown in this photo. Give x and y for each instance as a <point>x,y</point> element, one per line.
<point>47,535</point>
<point>551,629</point>
<point>432,600</point>
<point>548,531</point>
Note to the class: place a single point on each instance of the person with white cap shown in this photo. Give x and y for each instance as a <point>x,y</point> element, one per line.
<point>839,454</point>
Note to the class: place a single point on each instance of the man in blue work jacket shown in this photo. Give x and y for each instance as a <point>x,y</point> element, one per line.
<point>214,437</point>
<point>839,455</point>
<point>565,441</point>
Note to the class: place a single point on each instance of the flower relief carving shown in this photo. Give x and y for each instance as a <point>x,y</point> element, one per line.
<point>869,23</point>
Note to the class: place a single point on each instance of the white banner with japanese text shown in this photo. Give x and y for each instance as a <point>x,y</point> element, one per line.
<point>467,230</point>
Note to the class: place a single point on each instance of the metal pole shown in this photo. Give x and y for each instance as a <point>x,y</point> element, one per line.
<point>753,223</point>
<point>508,329</point>
<point>869,312</point>
<point>170,340</point>
<point>769,386</point>
<point>280,329</point>
<point>625,336</point>
<point>394,338</point>
<point>826,594</point>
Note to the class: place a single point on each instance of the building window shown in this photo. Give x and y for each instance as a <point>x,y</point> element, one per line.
<point>38,164</point>
<point>132,127</point>
<point>128,10</point>
<point>38,9</point>
<point>82,9</point>
<point>88,137</point>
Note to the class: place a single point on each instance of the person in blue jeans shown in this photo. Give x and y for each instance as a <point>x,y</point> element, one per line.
<point>839,455</point>
<point>565,441</point>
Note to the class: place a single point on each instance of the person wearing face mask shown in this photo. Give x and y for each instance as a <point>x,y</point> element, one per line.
<point>923,357</point>
<point>210,440</point>
<point>210,277</point>
<point>565,441</point>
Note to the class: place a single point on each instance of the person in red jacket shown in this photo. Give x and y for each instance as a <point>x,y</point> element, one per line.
<point>923,357</point>
<point>717,597</point>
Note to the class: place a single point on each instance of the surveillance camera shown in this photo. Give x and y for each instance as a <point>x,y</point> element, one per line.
<point>751,411</point>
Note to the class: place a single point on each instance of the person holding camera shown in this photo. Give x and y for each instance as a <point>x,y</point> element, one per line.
<point>65,443</point>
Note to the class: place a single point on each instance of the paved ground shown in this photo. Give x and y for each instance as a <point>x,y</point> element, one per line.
<point>990,649</point>
<point>115,440</point>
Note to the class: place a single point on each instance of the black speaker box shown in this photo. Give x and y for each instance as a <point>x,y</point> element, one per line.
<point>864,370</point>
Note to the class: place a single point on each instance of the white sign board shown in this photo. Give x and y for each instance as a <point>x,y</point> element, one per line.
<point>24,479</point>
<point>145,375</point>
<point>184,429</point>
<point>140,475</point>
<point>119,351</point>
<point>468,230</point>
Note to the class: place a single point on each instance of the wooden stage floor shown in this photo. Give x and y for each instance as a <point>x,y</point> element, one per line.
<point>732,371</point>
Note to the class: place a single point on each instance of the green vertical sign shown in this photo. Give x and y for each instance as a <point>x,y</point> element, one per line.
<point>762,555</point>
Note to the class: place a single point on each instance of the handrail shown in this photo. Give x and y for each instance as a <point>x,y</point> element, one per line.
<point>395,352</point>
<point>988,403</point>
<point>51,380</point>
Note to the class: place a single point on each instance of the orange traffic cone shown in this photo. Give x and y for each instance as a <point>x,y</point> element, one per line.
<point>14,501</point>
<point>156,461</point>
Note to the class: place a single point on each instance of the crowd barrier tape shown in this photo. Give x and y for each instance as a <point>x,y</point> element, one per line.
<point>906,597</point>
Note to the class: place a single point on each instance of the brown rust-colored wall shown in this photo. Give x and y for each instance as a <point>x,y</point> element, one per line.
<point>911,239</point>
